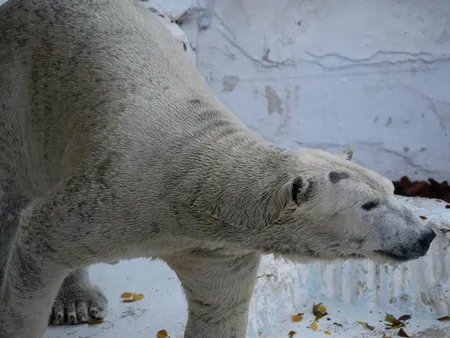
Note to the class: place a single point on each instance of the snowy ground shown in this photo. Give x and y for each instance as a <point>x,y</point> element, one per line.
<point>352,291</point>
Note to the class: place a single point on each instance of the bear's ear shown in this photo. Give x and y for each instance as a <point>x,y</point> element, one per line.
<point>347,153</point>
<point>300,189</point>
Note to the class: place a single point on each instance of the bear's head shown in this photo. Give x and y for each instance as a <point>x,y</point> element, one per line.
<point>334,208</point>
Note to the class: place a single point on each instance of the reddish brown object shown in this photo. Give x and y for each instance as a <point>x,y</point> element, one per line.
<point>430,189</point>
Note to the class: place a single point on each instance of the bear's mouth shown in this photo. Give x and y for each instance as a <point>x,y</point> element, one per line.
<point>397,257</point>
<point>391,256</point>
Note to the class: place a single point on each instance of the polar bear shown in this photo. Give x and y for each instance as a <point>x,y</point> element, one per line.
<point>112,147</point>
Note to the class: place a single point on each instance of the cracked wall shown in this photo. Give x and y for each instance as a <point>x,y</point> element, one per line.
<point>322,73</point>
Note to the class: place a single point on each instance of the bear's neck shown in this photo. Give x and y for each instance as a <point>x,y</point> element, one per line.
<point>242,185</point>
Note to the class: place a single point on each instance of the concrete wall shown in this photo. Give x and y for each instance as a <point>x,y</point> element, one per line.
<point>328,73</point>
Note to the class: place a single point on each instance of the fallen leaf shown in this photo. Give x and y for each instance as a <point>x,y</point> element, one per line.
<point>422,217</point>
<point>95,321</point>
<point>128,300</point>
<point>162,334</point>
<point>367,326</point>
<point>389,318</point>
<point>137,296</point>
<point>314,326</point>
<point>370,327</point>
<point>297,318</point>
<point>384,336</point>
<point>402,333</point>
<point>126,295</point>
<point>404,317</point>
<point>444,319</point>
<point>319,310</point>
<point>292,334</point>
<point>394,322</point>
<point>397,326</point>
<point>327,332</point>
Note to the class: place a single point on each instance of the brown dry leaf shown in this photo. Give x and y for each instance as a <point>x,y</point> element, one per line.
<point>137,296</point>
<point>444,319</point>
<point>327,332</point>
<point>314,326</point>
<point>370,327</point>
<point>319,310</point>
<point>402,333</point>
<point>162,334</point>
<point>297,318</point>
<point>128,300</point>
<point>126,295</point>
<point>404,317</point>
<point>292,334</point>
<point>423,217</point>
<point>384,336</point>
<point>95,321</point>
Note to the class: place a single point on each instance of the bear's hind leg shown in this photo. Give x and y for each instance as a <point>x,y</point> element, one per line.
<point>78,300</point>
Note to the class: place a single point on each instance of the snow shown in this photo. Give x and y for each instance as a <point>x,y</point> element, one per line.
<point>352,291</point>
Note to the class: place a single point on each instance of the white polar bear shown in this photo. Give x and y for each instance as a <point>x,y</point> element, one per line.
<point>112,147</point>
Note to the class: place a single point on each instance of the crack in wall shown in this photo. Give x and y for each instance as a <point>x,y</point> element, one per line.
<point>416,59</point>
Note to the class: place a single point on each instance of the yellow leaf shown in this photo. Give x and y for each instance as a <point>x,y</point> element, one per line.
<point>327,332</point>
<point>126,295</point>
<point>297,318</point>
<point>314,326</point>
<point>390,318</point>
<point>319,310</point>
<point>162,334</point>
<point>138,296</point>
<point>367,326</point>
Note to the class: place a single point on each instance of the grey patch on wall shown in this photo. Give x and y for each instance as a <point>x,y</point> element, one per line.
<point>229,83</point>
<point>273,100</point>
<point>388,122</point>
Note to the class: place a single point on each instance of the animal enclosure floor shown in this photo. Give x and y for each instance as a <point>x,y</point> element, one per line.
<point>164,308</point>
<point>352,291</point>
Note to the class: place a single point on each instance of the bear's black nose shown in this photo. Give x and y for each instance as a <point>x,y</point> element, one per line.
<point>426,239</point>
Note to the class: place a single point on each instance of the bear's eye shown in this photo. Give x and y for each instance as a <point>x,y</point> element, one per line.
<point>369,205</point>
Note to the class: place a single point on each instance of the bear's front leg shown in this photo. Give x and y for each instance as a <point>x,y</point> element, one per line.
<point>31,278</point>
<point>218,289</point>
